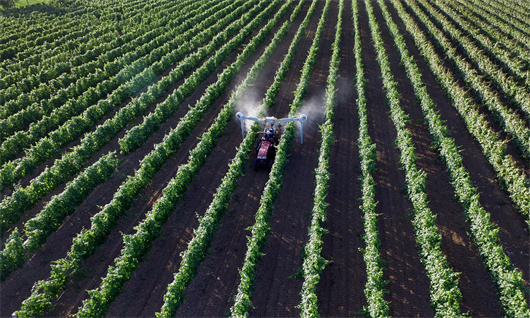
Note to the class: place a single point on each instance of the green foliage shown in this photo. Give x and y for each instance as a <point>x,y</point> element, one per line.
<point>445,294</point>
<point>87,241</point>
<point>508,280</point>
<point>7,4</point>
<point>131,77</point>
<point>198,246</point>
<point>511,87</point>
<point>314,263</point>
<point>510,175</point>
<point>13,254</point>
<point>37,229</point>
<point>138,244</point>
<point>137,136</point>
<point>24,198</point>
<point>58,82</point>
<point>374,289</point>
<point>261,228</point>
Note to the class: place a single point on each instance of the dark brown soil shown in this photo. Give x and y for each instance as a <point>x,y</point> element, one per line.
<point>341,286</point>
<point>165,252</point>
<point>456,244</point>
<point>18,286</point>
<point>277,290</point>
<point>229,246</point>
<point>277,287</point>
<point>493,198</point>
<point>408,283</point>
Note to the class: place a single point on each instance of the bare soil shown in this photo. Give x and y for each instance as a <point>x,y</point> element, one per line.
<point>229,246</point>
<point>341,286</point>
<point>277,285</point>
<point>408,283</point>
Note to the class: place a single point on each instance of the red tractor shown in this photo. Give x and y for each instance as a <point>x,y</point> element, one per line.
<point>266,145</point>
<point>266,148</point>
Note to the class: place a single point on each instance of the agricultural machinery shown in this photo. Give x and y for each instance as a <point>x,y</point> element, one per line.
<point>269,138</point>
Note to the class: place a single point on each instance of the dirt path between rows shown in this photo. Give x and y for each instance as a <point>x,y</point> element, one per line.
<point>340,290</point>
<point>184,219</point>
<point>494,199</point>
<point>216,283</point>
<point>408,284</point>
<point>476,286</point>
<point>18,286</point>
<point>341,286</point>
<point>129,165</point>
<point>144,296</point>
<point>277,291</point>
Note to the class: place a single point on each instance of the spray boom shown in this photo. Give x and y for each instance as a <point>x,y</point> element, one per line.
<point>274,121</point>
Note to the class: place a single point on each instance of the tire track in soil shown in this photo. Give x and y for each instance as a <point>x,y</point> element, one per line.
<point>408,283</point>
<point>475,284</point>
<point>342,282</point>
<point>495,200</point>
<point>216,282</point>
<point>143,295</point>
<point>276,292</point>
<point>18,286</point>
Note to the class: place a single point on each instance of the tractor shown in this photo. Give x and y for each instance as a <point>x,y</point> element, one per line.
<point>269,138</point>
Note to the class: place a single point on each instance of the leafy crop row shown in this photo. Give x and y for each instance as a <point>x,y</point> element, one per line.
<point>138,244</point>
<point>498,43</point>
<point>374,289</point>
<point>130,72</point>
<point>139,134</point>
<point>76,87</point>
<point>198,246</point>
<point>485,234</point>
<point>514,20</point>
<point>26,21</point>
<point>510,176</point>
<point>37,34</point>
<point>44,48</point>
<point>510,120</point>
<point>497,52</point>
<point>37,229</point>
<point>520,8</point>
<point>314,263</point>
<point>13,53</point>
<point>13,206</point>
<point>87,241</point>
<point>273,186</point>
<point>445,295</point>
<point>517,42</point>
<point>64,74</point>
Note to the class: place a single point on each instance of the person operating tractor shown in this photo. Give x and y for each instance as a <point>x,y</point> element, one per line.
<point>266,145</point>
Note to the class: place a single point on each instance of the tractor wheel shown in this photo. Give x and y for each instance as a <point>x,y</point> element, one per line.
<point>255,165</point>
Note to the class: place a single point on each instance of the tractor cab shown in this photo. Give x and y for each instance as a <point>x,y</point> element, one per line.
<point>270,137</point>
<point>265,157</point>
<point>266,149</point>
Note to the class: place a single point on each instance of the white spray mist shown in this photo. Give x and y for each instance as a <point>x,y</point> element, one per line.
<point>313,107</point>
<point>249,105</point>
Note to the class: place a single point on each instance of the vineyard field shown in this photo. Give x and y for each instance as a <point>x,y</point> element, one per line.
<point>127,188</point>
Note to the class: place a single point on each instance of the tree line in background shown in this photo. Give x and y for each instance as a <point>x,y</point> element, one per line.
<point>7,4</point>
<point>10,4</point>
